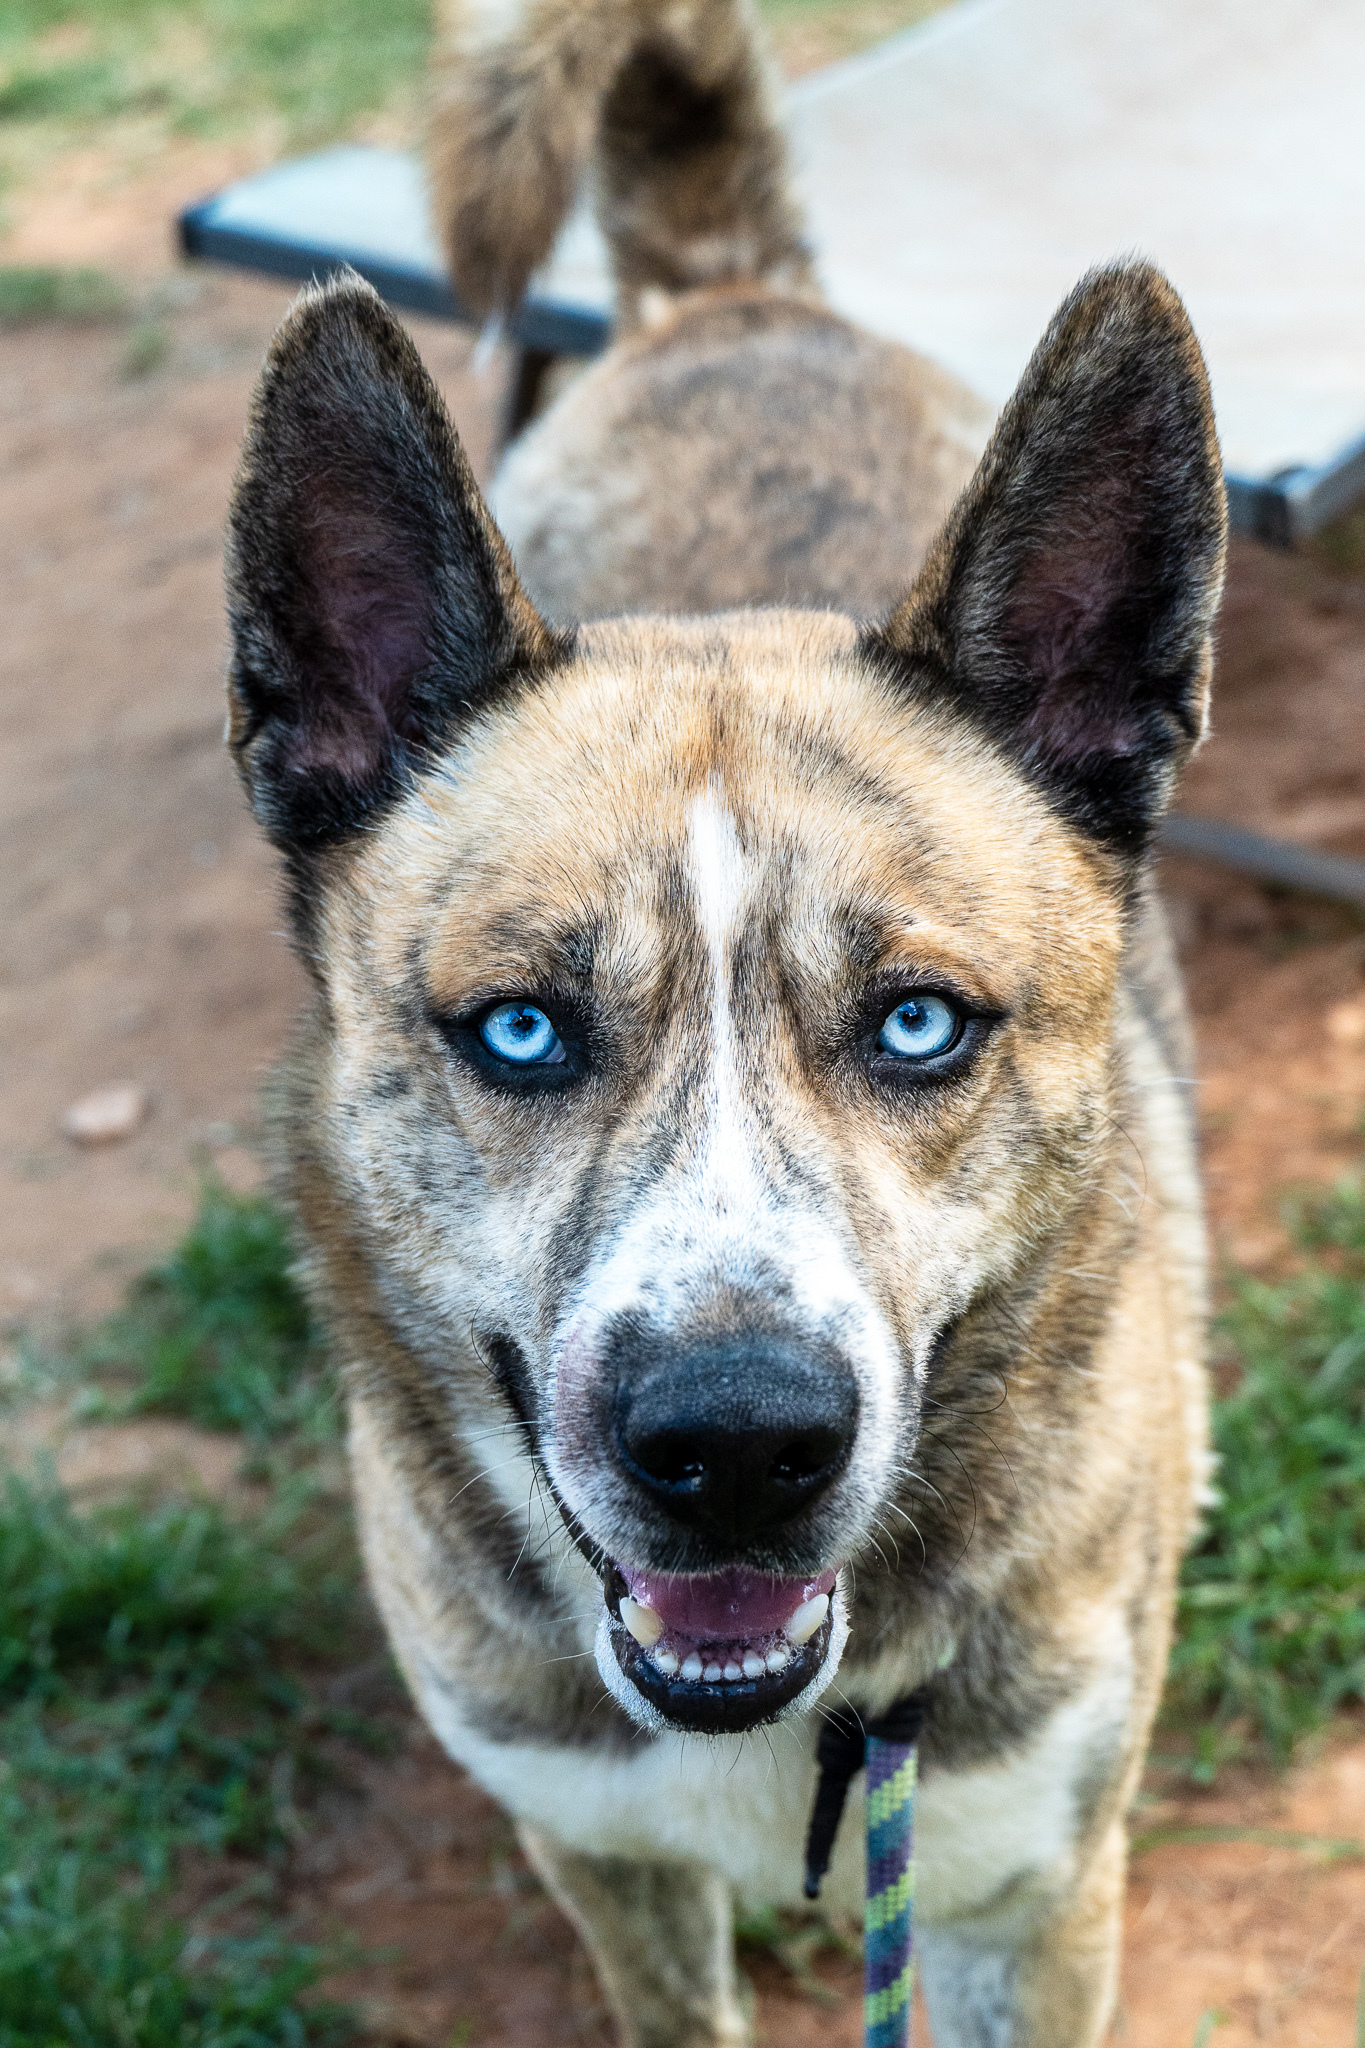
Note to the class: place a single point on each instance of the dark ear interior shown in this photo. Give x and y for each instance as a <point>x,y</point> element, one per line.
<point>372,601</point>
<point>1066,607</point>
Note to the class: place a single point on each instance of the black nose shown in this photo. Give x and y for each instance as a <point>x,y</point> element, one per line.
<point>735,1437</point>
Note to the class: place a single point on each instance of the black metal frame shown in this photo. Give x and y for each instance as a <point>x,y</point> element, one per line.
<point>538,327</point>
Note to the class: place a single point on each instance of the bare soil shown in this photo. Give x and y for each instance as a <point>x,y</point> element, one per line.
<point>142,941</point>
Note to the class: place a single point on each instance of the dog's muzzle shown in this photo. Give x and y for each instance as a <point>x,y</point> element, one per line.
<point>725,1449</point>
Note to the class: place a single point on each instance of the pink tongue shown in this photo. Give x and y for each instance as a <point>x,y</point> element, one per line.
<point>723,1605</point>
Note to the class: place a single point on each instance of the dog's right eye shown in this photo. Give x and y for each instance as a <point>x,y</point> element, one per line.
<point>920,1028</point>
<point>522,1035</point>
<point>520,1047</point>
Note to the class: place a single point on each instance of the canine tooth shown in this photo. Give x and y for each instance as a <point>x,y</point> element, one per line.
<point>692,1666</point>
<point>778,1659</point>
<point>666,1662</point>
<point>713,1674</point>
<point>733,1671</point>
<point>644,1624</point>
<point>754,1667</point>
<point>807,1619</point>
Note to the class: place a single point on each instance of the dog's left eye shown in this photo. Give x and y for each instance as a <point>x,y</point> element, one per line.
<point>522,1035</point>
<point>920,1028</point>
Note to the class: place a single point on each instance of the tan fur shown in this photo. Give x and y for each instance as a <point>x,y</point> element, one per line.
<point>716,846</point>
<point>661,1940</point>
<point>838,513</point>
<point>853,447</point>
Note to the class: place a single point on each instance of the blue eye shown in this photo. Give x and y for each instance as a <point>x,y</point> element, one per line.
<point>919,1028</point>
<point>522,1035</point>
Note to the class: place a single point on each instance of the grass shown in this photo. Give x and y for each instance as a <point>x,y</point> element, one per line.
<point>32,292</point>
<point>45,293</point>
<point>795,1940</point>
<point>152,1708</point>
<point>145,350</point>
<point>87,1969</point>
<point>807,33</point>
<point>1319,1848</point>
<point>308,68</point>
<point>218,1333</point>
<point>1271,1638</point>
<point>162,1707</point>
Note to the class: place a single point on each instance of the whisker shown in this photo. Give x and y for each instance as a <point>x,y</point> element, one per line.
<point>484,1472</point>
<point>971,1487</point>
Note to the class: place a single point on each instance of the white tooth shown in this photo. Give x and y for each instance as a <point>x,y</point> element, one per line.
<point>713,1674</point>
<point>779,1658</point>
<point>644,1624</point>
<point>754,1667</point>
<point>807,1619</point>
<point>692,1666</point>
<point>732,1672</point>
<point>666,1662</point>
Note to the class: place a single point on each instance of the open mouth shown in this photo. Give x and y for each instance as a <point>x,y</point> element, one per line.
<point>724,1652</point>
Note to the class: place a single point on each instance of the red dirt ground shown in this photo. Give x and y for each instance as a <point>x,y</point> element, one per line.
<point>141,925</point>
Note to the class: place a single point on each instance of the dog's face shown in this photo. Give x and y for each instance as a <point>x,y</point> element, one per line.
<point>710,1031</point>
<point>718,1009</point>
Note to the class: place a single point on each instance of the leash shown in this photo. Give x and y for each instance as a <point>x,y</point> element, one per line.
<point>887,1746</point>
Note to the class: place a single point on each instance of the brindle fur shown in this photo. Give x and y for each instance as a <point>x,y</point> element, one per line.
<point>708,838</point>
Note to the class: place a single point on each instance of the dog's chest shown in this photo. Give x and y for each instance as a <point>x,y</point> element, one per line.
<point>743,1805</point>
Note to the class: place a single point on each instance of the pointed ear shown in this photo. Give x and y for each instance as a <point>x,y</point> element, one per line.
<point>372,601</point>
<point>1066,607</point>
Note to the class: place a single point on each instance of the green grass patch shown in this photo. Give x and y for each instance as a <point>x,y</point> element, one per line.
<point>218,1333</point>
<point>146,349</point>
<point>206,67</point>
<point>154,1701</point>
<point>172,1592</point>
<point>30,293</point>
<point>83,89</point>
<point>164,1668</point>
<point>86,1969</point>
<point>795,1940</point>
<point>1271,1637</point>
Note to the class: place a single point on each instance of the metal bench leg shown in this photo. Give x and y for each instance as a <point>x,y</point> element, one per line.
<point>530,368</point>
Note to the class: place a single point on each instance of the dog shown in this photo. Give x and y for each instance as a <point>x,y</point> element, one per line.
<point>739,1139</point>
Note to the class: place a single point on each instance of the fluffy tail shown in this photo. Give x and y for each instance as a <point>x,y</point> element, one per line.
<point>668,101</point>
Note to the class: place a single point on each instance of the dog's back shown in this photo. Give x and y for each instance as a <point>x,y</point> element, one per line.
<point>742,444</point>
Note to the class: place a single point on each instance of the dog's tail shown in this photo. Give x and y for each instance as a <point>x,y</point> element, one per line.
<point>668,102</point>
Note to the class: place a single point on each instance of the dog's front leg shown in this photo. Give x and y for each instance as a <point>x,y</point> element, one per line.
<point>1032,1980</point>
<point>661,1939</point>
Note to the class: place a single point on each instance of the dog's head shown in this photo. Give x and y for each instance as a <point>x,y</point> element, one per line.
<point>717,1008</point>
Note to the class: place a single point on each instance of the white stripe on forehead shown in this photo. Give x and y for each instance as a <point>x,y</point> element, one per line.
<point>722,881</point>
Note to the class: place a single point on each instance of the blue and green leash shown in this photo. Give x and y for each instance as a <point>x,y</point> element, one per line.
<point>887,1746</point>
